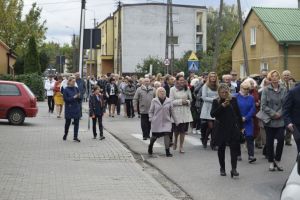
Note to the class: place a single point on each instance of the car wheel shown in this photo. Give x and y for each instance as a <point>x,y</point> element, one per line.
<point>16,117</point>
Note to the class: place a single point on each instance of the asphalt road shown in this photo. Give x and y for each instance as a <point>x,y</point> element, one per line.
<point>197,171</point>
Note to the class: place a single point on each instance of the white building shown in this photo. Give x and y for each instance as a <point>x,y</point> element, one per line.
<point>143,32</point>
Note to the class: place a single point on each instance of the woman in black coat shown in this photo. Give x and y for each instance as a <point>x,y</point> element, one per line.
<point>96,106</point>
<point>227,132</point>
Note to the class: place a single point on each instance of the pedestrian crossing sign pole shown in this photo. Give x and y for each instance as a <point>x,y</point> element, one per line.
<point>193,63</point>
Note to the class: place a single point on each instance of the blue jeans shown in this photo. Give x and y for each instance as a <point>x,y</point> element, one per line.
<point>76,126</point>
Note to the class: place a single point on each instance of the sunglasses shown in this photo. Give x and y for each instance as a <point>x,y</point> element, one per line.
<point>246,88</point>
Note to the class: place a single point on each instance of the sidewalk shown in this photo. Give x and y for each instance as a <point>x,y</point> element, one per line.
<point>35,163</point>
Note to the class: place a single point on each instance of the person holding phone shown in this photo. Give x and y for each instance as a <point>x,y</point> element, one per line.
<point>72,100</point>
<point>226,111</point>
<point>96,106</point>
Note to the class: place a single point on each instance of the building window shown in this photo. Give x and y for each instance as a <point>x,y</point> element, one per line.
<point>199,22</point>
<point>263,66</point>
<point>242,71</point>
<point>253,36</point>
<point>173,40</point>
<point>199,44</point>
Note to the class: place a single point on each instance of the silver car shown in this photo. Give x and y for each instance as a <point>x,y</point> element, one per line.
<point>291,189</point>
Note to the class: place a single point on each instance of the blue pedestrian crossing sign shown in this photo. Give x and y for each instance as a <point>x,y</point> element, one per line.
<point>193,63</point>
<point>193,66</point>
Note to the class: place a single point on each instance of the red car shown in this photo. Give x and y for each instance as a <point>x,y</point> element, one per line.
<point>16,102</point>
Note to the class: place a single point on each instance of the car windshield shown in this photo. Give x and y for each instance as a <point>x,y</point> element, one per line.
<point>28,90</point>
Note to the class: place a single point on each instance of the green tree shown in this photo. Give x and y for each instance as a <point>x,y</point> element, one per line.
<point>19,65</point>
<point>229,29</point>
<point>16,30</point>
<point>44,60</point>
<point>157,66</point>
<point>32,61</point>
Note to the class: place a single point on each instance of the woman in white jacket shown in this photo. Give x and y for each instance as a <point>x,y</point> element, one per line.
<point>49,86</point>
<point>181,97</point>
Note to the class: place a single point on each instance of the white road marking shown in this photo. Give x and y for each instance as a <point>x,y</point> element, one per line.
<point>140,137</point>
<point>192,140</point>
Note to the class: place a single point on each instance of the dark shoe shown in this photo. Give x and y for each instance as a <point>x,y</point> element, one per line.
<point>144,138</point>
<point>65,136</point>
<point>288,144</point>
<point>95,136</point>
<point>251,159</point>
<point>223,172</point>
<point>133,116</point>
<point>168,154</point>
<point>259,147</point>
<point>76,140</point>
<point>234,173</point>
<point>102,138</point>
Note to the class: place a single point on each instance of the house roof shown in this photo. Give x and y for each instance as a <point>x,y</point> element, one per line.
<point>9,51</point>
<point>283,23</point>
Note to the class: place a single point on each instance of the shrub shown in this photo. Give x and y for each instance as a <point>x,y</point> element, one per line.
<point>6,77</point>
<point>33,81</point>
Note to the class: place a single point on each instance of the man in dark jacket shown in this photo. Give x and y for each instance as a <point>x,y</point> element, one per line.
<point>169,82</point>
<point>291,113</point>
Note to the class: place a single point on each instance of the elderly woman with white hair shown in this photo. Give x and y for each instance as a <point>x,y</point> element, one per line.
<point>160,116</point>
<point>246,105</point>
<point>157,84</point>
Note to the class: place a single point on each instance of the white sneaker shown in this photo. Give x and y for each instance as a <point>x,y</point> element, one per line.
<point>194,131</point>
<point>198,132</point>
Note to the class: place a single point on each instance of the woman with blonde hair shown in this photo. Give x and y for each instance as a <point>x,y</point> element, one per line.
<point>226,111</point>
<point>160,116</point>
<point>209,93</point>
<point>271,105</point>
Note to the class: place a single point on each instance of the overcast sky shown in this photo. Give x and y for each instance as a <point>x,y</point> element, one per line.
<point>63,16</point>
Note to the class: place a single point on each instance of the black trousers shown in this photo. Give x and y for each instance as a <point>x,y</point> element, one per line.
<point>129,107</point>
<point>250,145</point>
<point>76,126</point>
<point>272,134</point>
<point>50,103</point>
<point>146,125</point>
<point>233,155</point>
<point>100,125</point>
<point>118,106</point>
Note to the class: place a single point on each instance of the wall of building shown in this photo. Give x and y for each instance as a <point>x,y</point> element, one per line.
<point>144,33</point>
<point>3,60</point>
<point>266,50</point>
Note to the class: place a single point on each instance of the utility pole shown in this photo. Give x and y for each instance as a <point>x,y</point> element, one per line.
<point>217,38</point>
<point>172,37</point>
<point>243,39</point>
<point>167,35</point>
<point>119,58</point>
<point>74,52</point>
<point>82,22</point>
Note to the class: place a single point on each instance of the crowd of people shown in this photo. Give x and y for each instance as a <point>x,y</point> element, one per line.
<point>228,112</point>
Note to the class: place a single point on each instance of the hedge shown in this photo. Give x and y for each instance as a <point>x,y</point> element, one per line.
<point>33,81</point>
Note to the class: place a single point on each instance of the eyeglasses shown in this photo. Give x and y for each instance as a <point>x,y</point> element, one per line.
<point>233,74</point>
<point>246,88</point>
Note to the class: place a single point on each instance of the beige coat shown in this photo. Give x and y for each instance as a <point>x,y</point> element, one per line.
<point>182,113</point>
